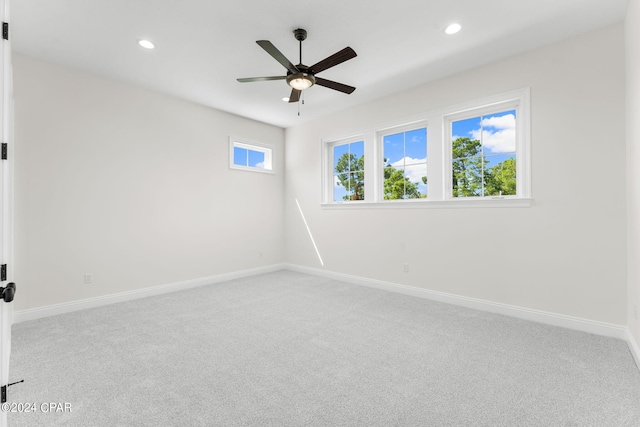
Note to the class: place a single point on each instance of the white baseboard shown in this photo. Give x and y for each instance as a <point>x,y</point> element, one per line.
<point>52,310</point>
<point>554,319</point>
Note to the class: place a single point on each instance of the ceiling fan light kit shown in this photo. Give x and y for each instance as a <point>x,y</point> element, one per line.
<point>301,81</point>
<point>301,77</point>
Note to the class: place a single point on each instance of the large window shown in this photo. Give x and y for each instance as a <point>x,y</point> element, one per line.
<point>405,164</point>
<point>348,171</point>
<point>250,156</point>
<point>478,155</point>
<point>483,152</point>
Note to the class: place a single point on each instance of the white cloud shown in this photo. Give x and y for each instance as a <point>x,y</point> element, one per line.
<point>415,169</point>
<point>407,161</point>
<point>415,174</point>
<point>508,121</point>
<point>498,134</point>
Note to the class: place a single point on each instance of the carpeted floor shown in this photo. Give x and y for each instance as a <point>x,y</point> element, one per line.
<point>288,349</point>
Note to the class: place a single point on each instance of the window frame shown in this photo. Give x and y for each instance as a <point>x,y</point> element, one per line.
<point>266,149</point>
<point>439,157</point>
<point>379,147</point>
<point>328,172</point>
<point>522,165</point>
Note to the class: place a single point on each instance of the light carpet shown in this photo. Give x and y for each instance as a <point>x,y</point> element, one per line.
<point>289,349</point>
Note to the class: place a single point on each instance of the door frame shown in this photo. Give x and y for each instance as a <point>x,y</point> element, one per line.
<point>6,198</point>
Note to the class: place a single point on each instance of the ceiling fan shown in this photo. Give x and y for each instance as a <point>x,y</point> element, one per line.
<point>301,77</point>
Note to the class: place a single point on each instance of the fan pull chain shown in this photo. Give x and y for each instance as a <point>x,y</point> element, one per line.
<point>301,101</point>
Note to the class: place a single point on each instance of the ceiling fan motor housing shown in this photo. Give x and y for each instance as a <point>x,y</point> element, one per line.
<point>300,34</point>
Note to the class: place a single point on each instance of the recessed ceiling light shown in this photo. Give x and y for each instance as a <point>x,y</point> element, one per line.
<point>285,99</point>
<point>146,44</point>
<point>453,28</point>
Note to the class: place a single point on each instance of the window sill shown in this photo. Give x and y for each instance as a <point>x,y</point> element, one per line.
<point>434,204</point>
<point>251,169</point>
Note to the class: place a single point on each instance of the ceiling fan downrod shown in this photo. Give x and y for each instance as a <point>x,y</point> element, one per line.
<point>300,35</point>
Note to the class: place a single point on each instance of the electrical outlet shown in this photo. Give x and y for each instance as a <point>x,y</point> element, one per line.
<point>405,268</point>
<point>88,278</point>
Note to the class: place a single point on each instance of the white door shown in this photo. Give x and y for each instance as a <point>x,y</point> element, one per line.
<point>6,201</point>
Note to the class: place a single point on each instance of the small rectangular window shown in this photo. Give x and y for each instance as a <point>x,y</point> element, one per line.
<point>405,164</point>
<point>483,153</point>
<point>348,171</point>
<point>250,156</point>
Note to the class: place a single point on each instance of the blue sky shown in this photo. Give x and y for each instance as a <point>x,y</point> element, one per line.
<point>497,131</point>
<point>244,157</point>
<point>407,151</point>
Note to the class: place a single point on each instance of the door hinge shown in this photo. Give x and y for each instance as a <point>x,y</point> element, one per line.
<point>3,272</point>
<point>4,151</point>
<point>3,391</point>
<point>5,30</point>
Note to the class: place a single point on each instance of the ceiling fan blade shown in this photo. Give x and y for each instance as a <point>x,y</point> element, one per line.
<point>260,79</point>
<point>335,59</point>
<point>295,95</point>
<point>277,55</point>
<point>334,85</point>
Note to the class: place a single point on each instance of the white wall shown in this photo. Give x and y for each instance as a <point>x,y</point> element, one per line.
<point>133,187</point>
<point>632,39</point>
<point>565,254</point>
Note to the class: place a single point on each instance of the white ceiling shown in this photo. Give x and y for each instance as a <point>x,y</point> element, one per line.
<point>204,45</point>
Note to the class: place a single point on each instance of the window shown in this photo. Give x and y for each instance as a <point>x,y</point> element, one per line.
<point>404,156</point>
<point>348,171</point>
<point>483,151</point>
<point>487,151</point>
<point>478,156</point>
<point>250,156</point>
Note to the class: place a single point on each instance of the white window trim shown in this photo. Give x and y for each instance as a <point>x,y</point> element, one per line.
<point>438,158</point>
<point>483,202</point>
<point>327,170</point>
<point>254,146</point>
<point>379,169</point>
<point>520,105</point>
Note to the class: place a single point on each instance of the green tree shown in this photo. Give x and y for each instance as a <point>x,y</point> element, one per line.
<point>500,180</point>
<point>467,167</point>
<point>350,170</point>
<point>398,186</point>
